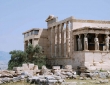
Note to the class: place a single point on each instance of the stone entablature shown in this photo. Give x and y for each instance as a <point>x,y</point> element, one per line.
<point>92,21</point>
<point>95,30</point>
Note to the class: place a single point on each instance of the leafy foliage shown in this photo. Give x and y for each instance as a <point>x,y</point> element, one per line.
<point>17,58</point>
<point>30,55</point>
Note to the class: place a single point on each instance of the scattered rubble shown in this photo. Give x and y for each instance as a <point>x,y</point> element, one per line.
<point>44,76</point>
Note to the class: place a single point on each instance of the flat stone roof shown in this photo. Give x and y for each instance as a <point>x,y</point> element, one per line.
<point>32,30</point>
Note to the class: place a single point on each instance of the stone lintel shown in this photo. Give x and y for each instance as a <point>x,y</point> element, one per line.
<point>89,31</point>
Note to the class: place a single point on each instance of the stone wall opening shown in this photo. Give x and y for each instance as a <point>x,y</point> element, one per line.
<point>91,44</point>
<point>30,41</point>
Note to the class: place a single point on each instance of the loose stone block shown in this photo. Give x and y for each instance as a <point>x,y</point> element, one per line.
<point>35,67</point>
<point>68,66</point>
<point>25,66</point>
<point>31,66</point>
<point>56,67</point>
<point>17,68</point>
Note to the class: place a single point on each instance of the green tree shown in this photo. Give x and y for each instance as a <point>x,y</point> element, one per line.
<point>30,52</point>
<point>35,55</point>
<point>30,55</point>
<point>18,57</point>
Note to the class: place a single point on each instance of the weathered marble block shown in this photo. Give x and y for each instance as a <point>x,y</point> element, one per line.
<point>17,68</point>
<point>68,67</point>
<point>31,66</point>
<point>56,67</point>
<point>35,67</point>
<point>25,66</point>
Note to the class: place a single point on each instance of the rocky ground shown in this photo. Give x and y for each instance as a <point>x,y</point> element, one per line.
<point>55,76</point>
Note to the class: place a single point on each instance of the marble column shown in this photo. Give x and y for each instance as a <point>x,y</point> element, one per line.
<point>71,38</point>
<point>107,42</point>
<point>53,41</point>
<point>58,41</point>
<point>62,40</point>
<point>64,33</point>
<point>85,42</point>
<point>67,39</point>
<point>96,43</point>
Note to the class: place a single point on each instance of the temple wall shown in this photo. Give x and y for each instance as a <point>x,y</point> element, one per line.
<point>40,38</point>
<point>97,60</point>
<point>77,60</point>
<point>97,57</point>
<point>61,61</point>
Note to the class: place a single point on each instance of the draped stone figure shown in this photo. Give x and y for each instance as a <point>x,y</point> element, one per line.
<point>85,43</point>
<point>107,42</point>
<point>79,44</point>
<point>96,43</point>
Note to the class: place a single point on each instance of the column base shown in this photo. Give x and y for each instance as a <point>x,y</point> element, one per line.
<point>97,50</point>
<point>85,50</point>
<point>107,51</point>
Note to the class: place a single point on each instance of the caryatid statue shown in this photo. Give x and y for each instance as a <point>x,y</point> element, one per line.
<point>79,44</point>
<point>107,42</point>
<point>96,43</point>
<point>85,42</point>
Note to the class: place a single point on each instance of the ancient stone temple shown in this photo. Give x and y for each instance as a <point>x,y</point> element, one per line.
<point>73,42</point>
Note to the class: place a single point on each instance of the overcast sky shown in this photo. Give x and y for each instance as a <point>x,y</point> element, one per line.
<point>18,16</point>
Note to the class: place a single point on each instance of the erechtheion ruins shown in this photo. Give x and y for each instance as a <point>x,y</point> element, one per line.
<point>73,42</point>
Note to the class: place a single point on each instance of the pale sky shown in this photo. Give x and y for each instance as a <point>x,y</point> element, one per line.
<point>18,16</point>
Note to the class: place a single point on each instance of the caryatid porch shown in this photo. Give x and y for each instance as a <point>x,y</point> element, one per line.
<point>91,39</point>
<point>91,47</point>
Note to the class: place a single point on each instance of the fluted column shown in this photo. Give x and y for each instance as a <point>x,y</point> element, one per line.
<point>62,40</point>
<point>53,41</point>
<point>58,41</point>
<point>67,39</point>
<point>71,38</point>
<point>51,32</point>
<point>50,39</point>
